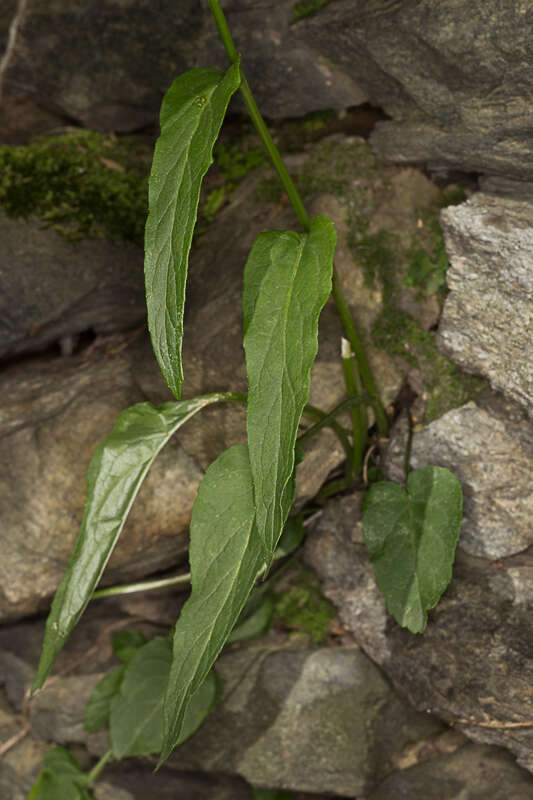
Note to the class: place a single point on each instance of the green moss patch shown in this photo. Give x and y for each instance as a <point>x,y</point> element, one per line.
<point>446,386</point>
<point>301,605</point>
<point>81,184</point>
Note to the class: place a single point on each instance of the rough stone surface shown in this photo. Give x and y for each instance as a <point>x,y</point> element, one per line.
<point>99,65</point>
<point>51,289</point>
<point>55,411</point>
<point>491,452</point>
<point>451,75</point>
<point>53,416</point>
<point>474,664</point>
<point>487,322</point>
<point>454,77</point>
<point>471,773</point>
<point>319,721</point>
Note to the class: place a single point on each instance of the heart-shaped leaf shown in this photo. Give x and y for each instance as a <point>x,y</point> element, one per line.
<point>411,537</point>
<point>136,719</point>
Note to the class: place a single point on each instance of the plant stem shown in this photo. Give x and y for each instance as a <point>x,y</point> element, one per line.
<point>98,767</point>
<point>328,420</point>
<point>257,119</point>
<point>142,586</point>
<point>364,367</point>
<point>296,201</point>
<point>354,387</point>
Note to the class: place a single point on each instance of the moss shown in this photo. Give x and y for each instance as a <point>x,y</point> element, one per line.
<point>376,254</point>
<point>302,607</point>
<point>333,165</point>
<point>446,386</point>
<point>306,8</point>
<point>80,184</point>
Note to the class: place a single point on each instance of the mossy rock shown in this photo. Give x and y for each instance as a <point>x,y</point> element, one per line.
<point>82,184</point>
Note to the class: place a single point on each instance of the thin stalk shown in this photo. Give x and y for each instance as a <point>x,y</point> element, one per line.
<point>257,119</point>
<point>142,586</point>
<point>357,347</point>
<point>328,420</point>
<point>354,388</point>
<point>297,204</point>
<point>98,767</point>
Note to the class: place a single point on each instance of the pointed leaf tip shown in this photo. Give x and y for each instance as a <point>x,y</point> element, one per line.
<point>192,113</point>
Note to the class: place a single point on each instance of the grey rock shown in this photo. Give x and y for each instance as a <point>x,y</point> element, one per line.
<point>57,712</point>
<point>51,288</point>
<point>137,782</point>
<point>487,320</point>
<point>103,68</point>
<point>55,411</point>
<point>473,666</point>
<point>471,773</point>
<point>53,416</point>
<point>322,721</point>
<point>492,457</point>
<point>10,785</point>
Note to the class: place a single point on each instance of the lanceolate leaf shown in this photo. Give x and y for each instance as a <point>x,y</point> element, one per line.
<point>99,705</point>
<point>225,556</point>
<point>191,116</point>
<point>411,538</point>
<point>116,472</point>
<point>287,281</point>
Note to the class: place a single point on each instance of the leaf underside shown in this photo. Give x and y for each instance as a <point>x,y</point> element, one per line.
<point>225,556</point>
<point>411,538</point>
<point>116,472</point>
<point>287,281</point>
<point>192,113</point>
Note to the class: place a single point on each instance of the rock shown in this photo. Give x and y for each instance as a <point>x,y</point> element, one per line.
<point>488,315</point>
<point>491,454</point>
<point>447,83</point>
<point>122,89</point>
<point>51,289</point>
<point>54,414</point>
<point>135,781</point>
<point>55,411</point>
<point>58,711</point>
<point>473,666</point>
<point>320,721</point>
<point>472,772</point>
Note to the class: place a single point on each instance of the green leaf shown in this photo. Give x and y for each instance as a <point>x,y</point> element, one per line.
<point>191,116</point>
<point>136,719</point>
<point>287,281</point>
<point>292,536</point>
<point>411,538</point>
<point>225,556</point>
<point>116,472</point>
<point>99,705</point>
<point>126,643</point>
<point>255,618</point>
<point>61,779</point>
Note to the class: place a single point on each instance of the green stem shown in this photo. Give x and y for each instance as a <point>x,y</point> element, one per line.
<point>328,420</point>
<point>354,388</point>
<point>257,119</point>
<point>142,586</point>
<point>357,347</point>
<point>98,767</point>
<point>297,204</point>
